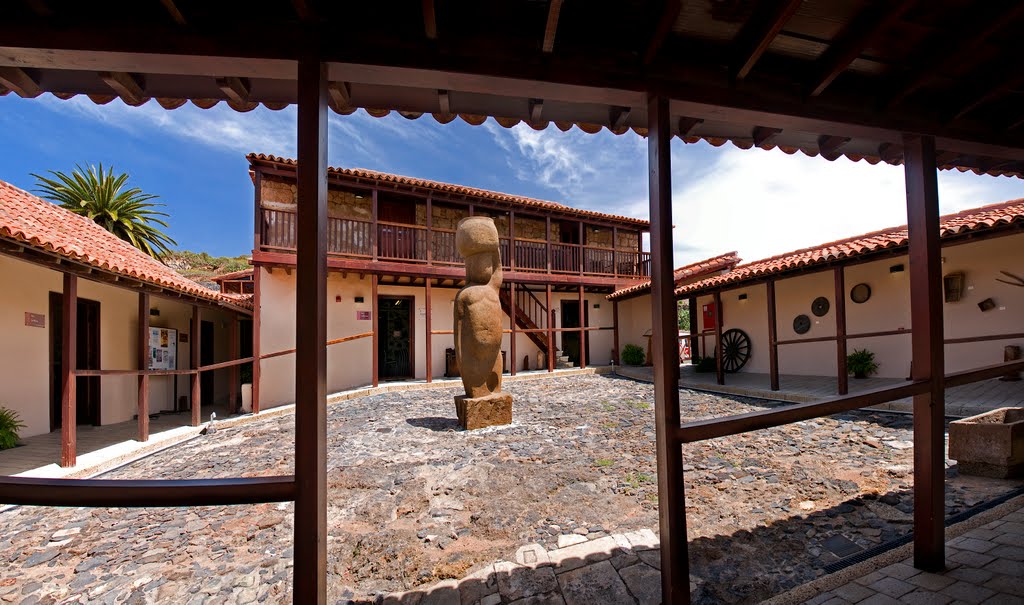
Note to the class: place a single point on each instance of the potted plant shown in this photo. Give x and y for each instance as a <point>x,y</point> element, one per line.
<point>10,423</point>
<point>861,363</point>
<point>633,355</point>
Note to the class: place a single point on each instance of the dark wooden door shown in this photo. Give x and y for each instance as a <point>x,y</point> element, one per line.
<point>206,357</point>
<point>87,388</point>
<point>395,357</point>
<point>571,319</point>
<point>396,241</point>
<point>569,233</point>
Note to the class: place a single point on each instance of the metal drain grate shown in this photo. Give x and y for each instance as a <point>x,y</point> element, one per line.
<point>963,515</point>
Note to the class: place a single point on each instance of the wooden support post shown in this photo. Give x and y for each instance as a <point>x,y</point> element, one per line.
<point>551,315</point>
<point>927,361</point>
<point>376,332</point>
<point>512,241</point>
<point>257,224</point>
<point>143,364</point>
<point>68,365</point>
<point>429,337</point>
<point>256,362</point>
<point>615,333</point>
<point>842,379</point>
<point>583,252</point>
<point>675,574</point>
<point>615,253</point>
<point>310,539</point>
<point>375,230</point>
<point>234,387</point>
<point>583,327</point>
<point>512,325</point>
<point>695,351</point>
<point>547,238</point>
<point>430,256</point>
<point>773,337</point>
<point>719,352</point>
<point>194,355</point>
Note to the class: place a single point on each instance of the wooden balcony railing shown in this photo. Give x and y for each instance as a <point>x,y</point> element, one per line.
<point>420,244</point>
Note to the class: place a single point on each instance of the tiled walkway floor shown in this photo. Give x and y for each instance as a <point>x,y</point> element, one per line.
<point>960,401</point>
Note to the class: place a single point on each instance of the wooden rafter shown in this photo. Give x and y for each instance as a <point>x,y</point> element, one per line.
<point>618,116</point>
<point>757,35</point>
<point>127,86</point>
<point>852,40</point>
<point>890,154</point>
<point>764,135</point>
<point>444,102</point>
<point>1001,87</point>
<point>551,27</point>
<point>235,89</point>
<point>18,80</point>
<point>340,94</point>
<point>429,20</point>
<point>174,12</point>
<point>669,15</point>
<point>536,109</point>
<point>828,145</point>
<point>687,124</point>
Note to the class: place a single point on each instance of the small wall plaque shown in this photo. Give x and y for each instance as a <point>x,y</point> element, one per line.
<point>182,338</point>
<point>362,316</point>
<point>35,320</point>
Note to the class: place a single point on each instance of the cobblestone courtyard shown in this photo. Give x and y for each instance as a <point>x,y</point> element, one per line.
<point>414,501</point>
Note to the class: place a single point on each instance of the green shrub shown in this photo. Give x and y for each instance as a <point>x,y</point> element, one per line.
<point>861,363</point>
<point>633,355</point>
<point>707,364</point>
<point>9,425</point>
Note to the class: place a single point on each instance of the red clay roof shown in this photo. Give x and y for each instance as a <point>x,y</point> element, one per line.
<point>485,194</point>
<point>994,216</point>
<point>39,224</point>
<point>233,275</point>
<point>688,272</point>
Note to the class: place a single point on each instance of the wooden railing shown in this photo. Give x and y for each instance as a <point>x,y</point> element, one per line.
<point>411,243</point>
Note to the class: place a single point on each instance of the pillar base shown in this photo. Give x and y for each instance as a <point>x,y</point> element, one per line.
<point>482,412</point>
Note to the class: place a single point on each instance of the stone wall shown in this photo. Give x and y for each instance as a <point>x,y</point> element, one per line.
<point>280,193</point>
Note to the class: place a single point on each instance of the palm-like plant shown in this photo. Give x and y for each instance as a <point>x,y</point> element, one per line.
<point>102,197</point>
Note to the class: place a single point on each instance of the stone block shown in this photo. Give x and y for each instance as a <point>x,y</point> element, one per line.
<point>644,582</point>
<point>990,444</point>
<point>582,554</point>
<point>597,583</point>
<point>482,412</point>
<point>645,539</point>
<point>532,555</point>
<point>519,581</point>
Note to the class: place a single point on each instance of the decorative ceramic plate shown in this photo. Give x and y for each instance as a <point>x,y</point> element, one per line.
<point>820,306</point>
<point>801,324</point>
<point>860,293</point>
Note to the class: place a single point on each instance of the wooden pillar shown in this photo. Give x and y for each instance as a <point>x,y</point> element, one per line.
<point>256,361</point>
<point>310,541</point>
<point>512,243</point>
<point>429,337</point>
<point>143,364</point>
<point>773,337</point>
<point>694,321</point>
<point>68,365</point>
<point>235,388</point>
<point>927,350</point>
<point>375,230</point>
<point>842,378</point>
<point>512,325</point>
<point>675,575</point>
<point>194,355</point>
<point>615,333</point>
<point>547,238</point>
<point>615,254</point>
<point>583,328</point>
<point>719,370</point>
<point>583,252</point>
<point>551,315</point>
<point>430,250</point>
<point>376,332</point>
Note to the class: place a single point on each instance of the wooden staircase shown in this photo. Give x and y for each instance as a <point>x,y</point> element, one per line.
<point>530,313</point>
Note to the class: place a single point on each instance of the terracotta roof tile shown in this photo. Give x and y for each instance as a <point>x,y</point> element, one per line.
<point>39,224</point>
<point>696,270</point>
<point>455,189</point>
<point>994,216</point>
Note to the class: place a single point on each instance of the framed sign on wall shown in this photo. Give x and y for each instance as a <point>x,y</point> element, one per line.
<point>163,349</point>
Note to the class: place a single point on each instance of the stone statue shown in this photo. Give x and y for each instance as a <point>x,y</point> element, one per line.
<point>478,327</point>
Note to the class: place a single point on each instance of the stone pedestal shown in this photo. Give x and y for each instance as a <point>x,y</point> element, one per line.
<point>481,412</point>
<point>990,444</point>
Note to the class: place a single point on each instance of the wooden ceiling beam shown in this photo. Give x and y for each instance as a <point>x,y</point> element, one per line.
<point>429,20</point>
<point>127,86</point>
<point>687,124</point>
<point>340,94</point>
<point>618,116</point>
<point>974,38</point>
<point>763,135</point>
<point>890,153</point>
<point>756,36</point>
<point>536,110</point>
<point>551,27</point>
<point>444,102</point>
<point>1001,87</point>
<point>828,146</point>
<point>18,80</point>
<point>668,18</point>
<point>848,45</point>
<point>235,89</point>
<point>172,9</point>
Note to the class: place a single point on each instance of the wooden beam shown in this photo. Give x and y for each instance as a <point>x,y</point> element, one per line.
<point>927,360</point>
<point>852,41</point>
<point>310,538</point>
<point>512,327</point>
<point>764,135</point>
<point>828,146</point>
<point>18,80</point>
<point>68,365</point>
<point>340,95</point>
<point>1004,85</point>
<point>719,349</point>
<point>667,18</point>
<point>583,329</point>
<point>551,27</point>
<point>773,345</point>
<point>257,318</point>
<point>695,351</point>
<point>374,306</point>
<point>675,575</point>
<point>197,395</point>
<point>142,346</point>
<point>686,125</point>
<point>550,319</point>
<point>756,36</point>
<point>428,341</point>
<point>234,387</point>
<point>842,378</point>
<point>444,102</point>
<point>536,109</point>
<point>235,89</point>
<point>127,86</point>
<point>172,9</point>
<point>890,154</point>
<point>617,118</point>
<point>429,20</point>
<point>615,332</point>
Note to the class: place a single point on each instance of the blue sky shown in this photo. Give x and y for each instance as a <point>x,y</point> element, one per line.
<point>757,202</point>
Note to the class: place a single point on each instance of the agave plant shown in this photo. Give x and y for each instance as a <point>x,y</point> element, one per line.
<point>102,197</point>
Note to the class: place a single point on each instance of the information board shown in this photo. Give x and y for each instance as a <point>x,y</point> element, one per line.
<point>163,349</point>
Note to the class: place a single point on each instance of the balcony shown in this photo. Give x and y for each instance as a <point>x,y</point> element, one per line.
<point>417,244</point>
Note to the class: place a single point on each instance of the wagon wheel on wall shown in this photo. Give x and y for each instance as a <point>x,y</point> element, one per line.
<point>736,350</point>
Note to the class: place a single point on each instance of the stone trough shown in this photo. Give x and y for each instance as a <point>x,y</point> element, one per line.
<point>990,444</point>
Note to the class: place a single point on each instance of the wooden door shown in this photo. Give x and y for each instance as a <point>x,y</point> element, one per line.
<point>571,340</point>
<point>206,357</point>
<point>396,241</point>
<point>87,388</point>
<point>395,353</point>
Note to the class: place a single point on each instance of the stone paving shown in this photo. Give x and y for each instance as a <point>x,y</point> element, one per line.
<point>413,501</point>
